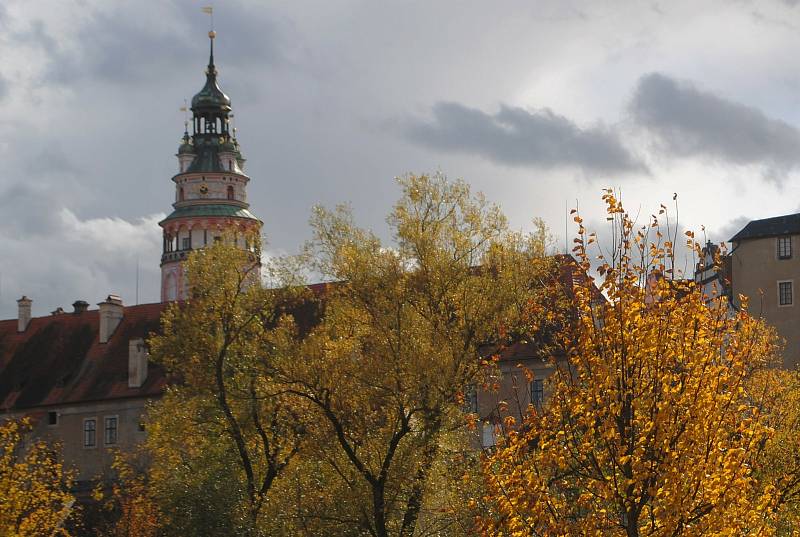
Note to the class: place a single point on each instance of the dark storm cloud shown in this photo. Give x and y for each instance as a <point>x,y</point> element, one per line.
<point>121,50</point>
<point>517,137</point>
<point>28,212</point>
<point>49,161</point>
<point>116,47</point>
<point>688,122</point>
<point>725,232</point>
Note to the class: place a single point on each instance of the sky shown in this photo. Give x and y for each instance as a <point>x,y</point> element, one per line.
<point>538,104</point>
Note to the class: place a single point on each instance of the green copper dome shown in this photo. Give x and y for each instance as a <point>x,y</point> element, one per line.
<point>228,145</point>
<point>211,96</point>
<point>197,211</point>
<point>186,148</point>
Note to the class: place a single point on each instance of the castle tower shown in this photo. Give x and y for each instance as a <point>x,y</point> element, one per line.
<point>210,187</point>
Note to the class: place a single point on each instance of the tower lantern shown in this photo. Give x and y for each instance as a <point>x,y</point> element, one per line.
<point>210,187</point>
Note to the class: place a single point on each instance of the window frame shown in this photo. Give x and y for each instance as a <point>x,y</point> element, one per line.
<point>471,399</point>
<point>106,429</point>
<point>50,415</point>
<point>93,431</point>
<point>791,294</point>
<point>784,244</point>
<point>488,436</point>
<point>537,393</point>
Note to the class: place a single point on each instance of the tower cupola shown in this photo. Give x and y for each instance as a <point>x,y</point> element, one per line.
<point>211,107</point>
<point>210,188</point>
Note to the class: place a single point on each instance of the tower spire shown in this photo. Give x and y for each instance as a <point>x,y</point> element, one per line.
<point>210,187</point>
<point>212,70</point>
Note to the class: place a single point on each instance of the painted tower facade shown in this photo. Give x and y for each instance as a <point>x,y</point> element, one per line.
<point>210,187</point>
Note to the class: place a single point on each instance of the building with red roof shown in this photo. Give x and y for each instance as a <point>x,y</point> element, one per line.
<point>82,377</point>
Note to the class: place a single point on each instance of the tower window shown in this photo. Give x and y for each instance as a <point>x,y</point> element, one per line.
<point>230,192</point>
<point>785,247</point>
<point>180,194</point>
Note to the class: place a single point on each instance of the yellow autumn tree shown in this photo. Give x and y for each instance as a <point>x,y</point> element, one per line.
<point>777,465</point>
<point>34,487</point>
<point>130,500</point>
<point>404,322</point>
<point>222,434</point>
<point>651,428</point>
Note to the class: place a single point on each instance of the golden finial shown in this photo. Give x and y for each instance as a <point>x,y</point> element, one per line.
<point>212,34</point>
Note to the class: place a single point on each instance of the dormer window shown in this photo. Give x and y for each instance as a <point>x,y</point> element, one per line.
<point>785,247</point>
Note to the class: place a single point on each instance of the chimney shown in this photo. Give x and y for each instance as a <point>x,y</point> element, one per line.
<point>58,311</point>
<point>137,363</point>
<point>110,316</point>
<point>79,306</point>
<point>24,316</point>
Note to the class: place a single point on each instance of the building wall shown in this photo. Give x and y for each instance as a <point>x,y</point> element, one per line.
<point>755,273</point>
<point>92,462</point>
<point>512,397</point>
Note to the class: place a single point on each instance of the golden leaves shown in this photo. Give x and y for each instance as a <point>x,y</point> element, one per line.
<point>651,428</point>
<point>34,487</point>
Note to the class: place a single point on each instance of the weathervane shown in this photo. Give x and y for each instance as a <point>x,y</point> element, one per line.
<point>209,10</point>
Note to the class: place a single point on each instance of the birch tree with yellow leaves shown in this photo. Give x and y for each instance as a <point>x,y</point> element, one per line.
<point>652,428</point>
<point>34,486</point>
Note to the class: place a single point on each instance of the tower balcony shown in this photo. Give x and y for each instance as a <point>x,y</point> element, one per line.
<point>170,257</point>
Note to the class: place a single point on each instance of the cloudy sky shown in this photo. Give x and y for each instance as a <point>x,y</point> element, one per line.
<point>536,103</point>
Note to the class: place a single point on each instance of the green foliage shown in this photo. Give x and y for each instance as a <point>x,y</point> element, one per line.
<point>338,411</point>
<point>236,434</point>
<point>385,368</point>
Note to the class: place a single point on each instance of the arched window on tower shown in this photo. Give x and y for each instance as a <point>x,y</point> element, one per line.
<point>180,194</point>
<point>230,192</point>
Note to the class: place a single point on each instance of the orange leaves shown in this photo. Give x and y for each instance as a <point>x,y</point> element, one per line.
<point>651,427</point>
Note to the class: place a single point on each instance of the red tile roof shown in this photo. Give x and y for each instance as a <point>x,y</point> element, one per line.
<point>59,360</point>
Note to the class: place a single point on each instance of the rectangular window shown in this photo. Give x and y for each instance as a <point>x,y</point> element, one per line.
<point>110,431</point>
<point>488,439</point>
<point>89,433</point>
<point>785,293</point>
<point>471,399</point>
<point>52,418</point>
<point>784,247</point>
<point>186,243</point>
<point>537,393</point>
